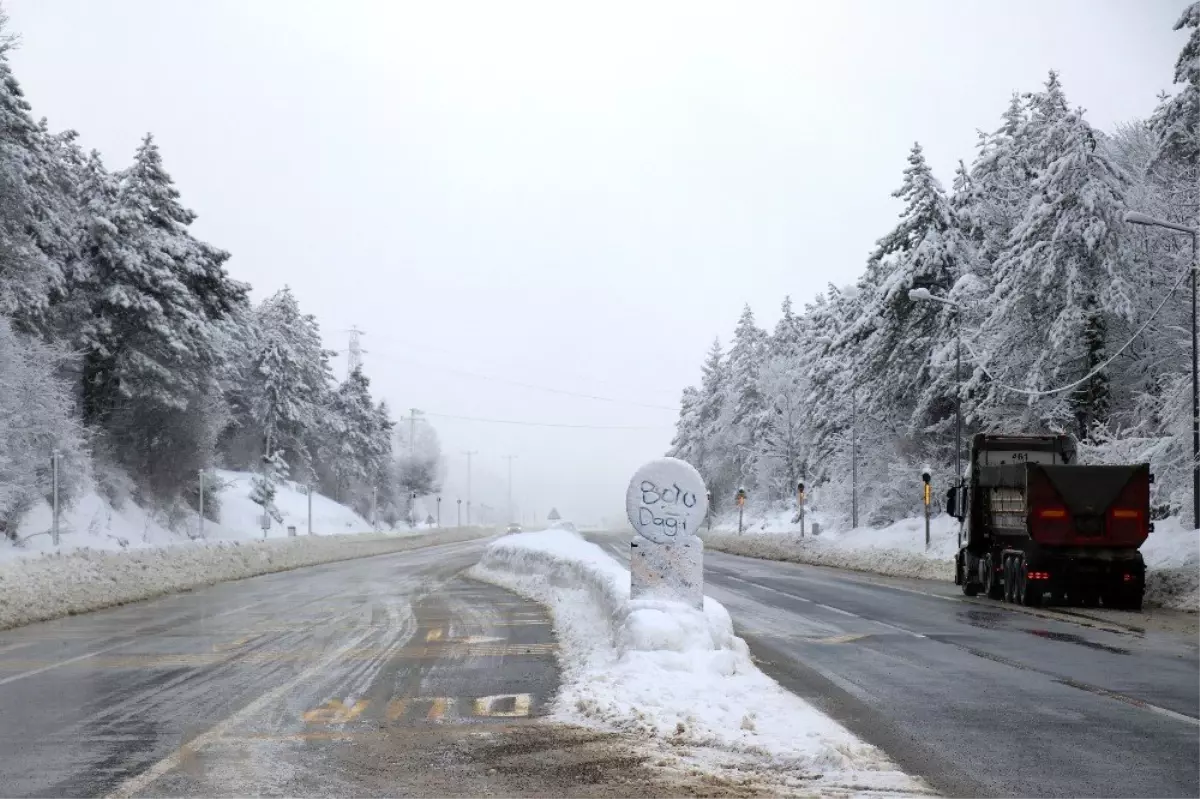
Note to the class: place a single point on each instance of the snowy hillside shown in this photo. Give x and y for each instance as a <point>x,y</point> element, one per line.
<point>94,523</point>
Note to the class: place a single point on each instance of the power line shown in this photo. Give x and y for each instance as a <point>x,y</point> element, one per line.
<point>540,424</point>
<point>1094,372</point>
<point>521,384</point>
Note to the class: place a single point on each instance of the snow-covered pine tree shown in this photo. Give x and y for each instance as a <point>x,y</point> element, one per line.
<point>904,342</point>
<point>713,455</point>
<point>290,379</point>
<point>1177,119</point>
<point>744,406</point>
<point>265,484</point>
<point>37,204</point>
<point>153,289</point>
<point>355,443</point>
<point>1061,281</point>
<point>152,292</point>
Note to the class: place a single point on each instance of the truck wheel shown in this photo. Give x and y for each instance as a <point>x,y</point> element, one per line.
<point>969,588</point>
<point>995,590</point>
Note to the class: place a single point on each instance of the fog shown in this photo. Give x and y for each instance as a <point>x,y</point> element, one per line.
<point>524,203</point>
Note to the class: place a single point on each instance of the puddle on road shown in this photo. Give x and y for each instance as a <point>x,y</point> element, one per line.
<point>1071,638</point>
<point>987,619</point>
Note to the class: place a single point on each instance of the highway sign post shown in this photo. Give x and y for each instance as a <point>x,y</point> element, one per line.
<point>741,503</point>
<point>666,503</point>
<point>800,506</point>
<point>926,478</point>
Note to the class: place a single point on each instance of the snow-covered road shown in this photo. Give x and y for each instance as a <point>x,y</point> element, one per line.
<point>383,676</point>
<point>979,698</point>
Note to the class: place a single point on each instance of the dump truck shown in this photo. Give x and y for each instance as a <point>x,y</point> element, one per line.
<point>1038,525</point>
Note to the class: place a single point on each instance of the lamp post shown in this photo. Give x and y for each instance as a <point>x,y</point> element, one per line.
<point>923,294</point>
<point>1142,219</point>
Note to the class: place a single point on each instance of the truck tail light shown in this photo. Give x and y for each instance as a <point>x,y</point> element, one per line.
<point>1126,513</point>
<point>1052,513</point>
<point>1128,578</point>
<point>1038,575</point>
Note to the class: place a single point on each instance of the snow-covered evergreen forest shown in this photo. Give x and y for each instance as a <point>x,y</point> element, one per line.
<point>128,348</point>
<point>1072,319</point>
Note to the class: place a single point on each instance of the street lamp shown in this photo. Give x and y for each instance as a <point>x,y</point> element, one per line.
<point>1142,219</point>
<point>923,294</point>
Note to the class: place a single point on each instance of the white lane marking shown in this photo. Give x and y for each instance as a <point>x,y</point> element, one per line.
<point>140,782</point>
<point>829,607</point>
<point>768,588</point>
<point>894,627</point>
<point>61,663</point>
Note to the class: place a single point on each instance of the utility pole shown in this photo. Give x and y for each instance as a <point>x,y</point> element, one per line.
<point>54,468</point>
<point>510,504</point>
<point>412,430</point>
<point>459,513</point>
<point>308,491</point>
<point>854,452</point>
<point>469,453</point>
<point>201,529</point>
<point>374,514</point>
<point>439,512</point>
<point>1142,219</point>
<point>355,351</point>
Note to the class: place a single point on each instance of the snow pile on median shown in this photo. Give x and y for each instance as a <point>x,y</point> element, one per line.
<point>674,673</point>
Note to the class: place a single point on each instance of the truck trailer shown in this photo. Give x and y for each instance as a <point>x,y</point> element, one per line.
<point>1036,524</point>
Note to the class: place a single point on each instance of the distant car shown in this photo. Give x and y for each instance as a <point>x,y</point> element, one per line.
<point>513,528</point>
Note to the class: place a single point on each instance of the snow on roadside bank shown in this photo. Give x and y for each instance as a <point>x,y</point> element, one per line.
<point>897,550</point>
<point>676,674</point>
<point>59,584</point>
<point>1172,552</point>
<point>95,523</point>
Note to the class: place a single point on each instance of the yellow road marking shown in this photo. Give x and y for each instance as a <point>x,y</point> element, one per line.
<point>396,708</point>
<point>438,708</point>
<point>435,634</point>
<point>335,711</point>
<point>841,639</point>
<point>485,705</point>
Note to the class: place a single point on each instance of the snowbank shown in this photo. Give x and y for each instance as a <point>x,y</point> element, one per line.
<point>110,556</point>
<point>673,673</point>
<point>1172,552</point>
<point>93,523</point>
<point>897,550</point>
<point>59,584</point>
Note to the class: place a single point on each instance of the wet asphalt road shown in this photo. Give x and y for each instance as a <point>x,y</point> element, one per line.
<point>255,686</point>
<point>978,697</point>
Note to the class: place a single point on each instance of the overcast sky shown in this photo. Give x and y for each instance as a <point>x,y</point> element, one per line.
<point>573,195</point>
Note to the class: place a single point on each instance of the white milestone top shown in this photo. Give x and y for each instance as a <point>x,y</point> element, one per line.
<point>666,500</point>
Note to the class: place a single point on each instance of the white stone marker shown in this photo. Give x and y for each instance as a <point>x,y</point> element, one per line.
<point>666,503</point>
